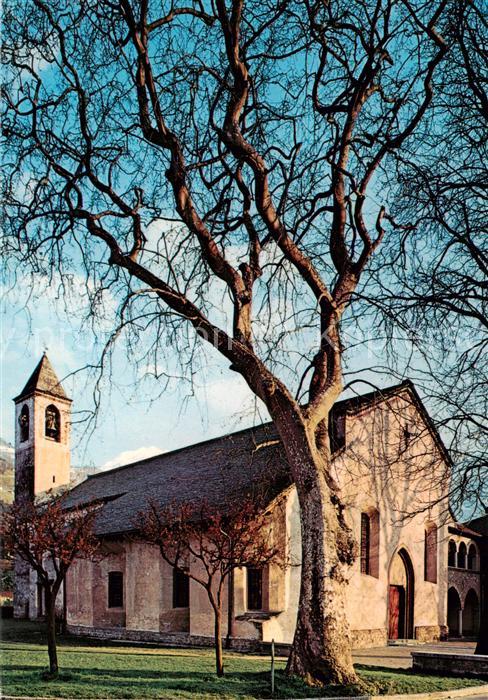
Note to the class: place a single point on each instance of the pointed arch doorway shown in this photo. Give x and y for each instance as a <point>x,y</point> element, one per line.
<point>401,597</point>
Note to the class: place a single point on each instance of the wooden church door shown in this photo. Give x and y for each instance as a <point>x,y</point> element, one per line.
<point>396,612</point>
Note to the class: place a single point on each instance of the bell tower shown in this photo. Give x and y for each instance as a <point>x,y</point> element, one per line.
<point>42,433</point>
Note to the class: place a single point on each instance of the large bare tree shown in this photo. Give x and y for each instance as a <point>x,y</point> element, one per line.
<point>236,149</point>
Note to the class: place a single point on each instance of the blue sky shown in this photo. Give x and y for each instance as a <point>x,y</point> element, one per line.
<point>131,416</point>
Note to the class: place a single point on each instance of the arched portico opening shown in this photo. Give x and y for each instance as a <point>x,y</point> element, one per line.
<point>454,616</point>
<point>452,554</point>
<point>401,597</point>
<point>472,558</point>
<point>462,556</point>
<point>471,614</point>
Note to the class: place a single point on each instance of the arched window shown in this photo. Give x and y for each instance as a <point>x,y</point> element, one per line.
<point>430,554</point>
<point>370,543</point>
<point>451,553</point>
<point>52,423</point>
<point>461,560</point>
<point>472,557</point>
<point>24,423</point>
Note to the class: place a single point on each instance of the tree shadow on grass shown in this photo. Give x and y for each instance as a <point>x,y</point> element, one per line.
<point>143,683</point>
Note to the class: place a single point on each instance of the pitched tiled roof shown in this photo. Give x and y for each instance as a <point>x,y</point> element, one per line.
<point>224,469</point>
<point>218,470</point>
<point>43,379</point>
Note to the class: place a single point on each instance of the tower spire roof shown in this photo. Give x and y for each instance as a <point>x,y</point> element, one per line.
<point>43,379</point>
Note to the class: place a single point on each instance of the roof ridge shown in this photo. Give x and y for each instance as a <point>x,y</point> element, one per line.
<point>378,393</point>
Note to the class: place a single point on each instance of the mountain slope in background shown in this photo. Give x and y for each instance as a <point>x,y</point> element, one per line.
<point>7,454</point>
<point>7,473</point>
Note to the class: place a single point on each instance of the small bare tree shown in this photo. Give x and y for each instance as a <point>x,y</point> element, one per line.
<point>208,544</point>
<point>48,539</point>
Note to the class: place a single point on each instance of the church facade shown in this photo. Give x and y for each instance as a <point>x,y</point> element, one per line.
<point>394,475</point>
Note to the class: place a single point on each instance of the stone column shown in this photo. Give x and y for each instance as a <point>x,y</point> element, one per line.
<point>460,621</point>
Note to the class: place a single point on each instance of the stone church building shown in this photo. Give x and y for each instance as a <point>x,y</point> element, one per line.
<point>394,473</point>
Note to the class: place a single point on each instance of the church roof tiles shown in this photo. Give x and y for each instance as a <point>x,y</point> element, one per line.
<point>221,470</point>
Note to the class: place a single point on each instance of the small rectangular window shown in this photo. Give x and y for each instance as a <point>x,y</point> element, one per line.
<point>115,589</point>
<point>181,589</point>
<point>254,589</point>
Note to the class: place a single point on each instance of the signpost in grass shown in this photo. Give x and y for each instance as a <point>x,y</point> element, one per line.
<point>272,667</point>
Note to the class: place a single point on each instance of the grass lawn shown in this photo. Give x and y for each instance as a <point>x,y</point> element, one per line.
<point>120,671</point>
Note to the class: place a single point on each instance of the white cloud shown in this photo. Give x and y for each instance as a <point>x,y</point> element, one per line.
<point>228,396</point>
<point>130,456</point>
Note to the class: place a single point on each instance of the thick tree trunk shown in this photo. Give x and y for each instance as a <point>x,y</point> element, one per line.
<point>51,634</point>
<point>321,651</point>
<point>219,662</point>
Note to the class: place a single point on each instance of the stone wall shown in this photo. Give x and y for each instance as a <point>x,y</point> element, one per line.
<point>431,633</point>
<point>361,639</point>
<point>178,639</point>
<point>364,639</point>
<point>451,664</point>
<point>463,580</point>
